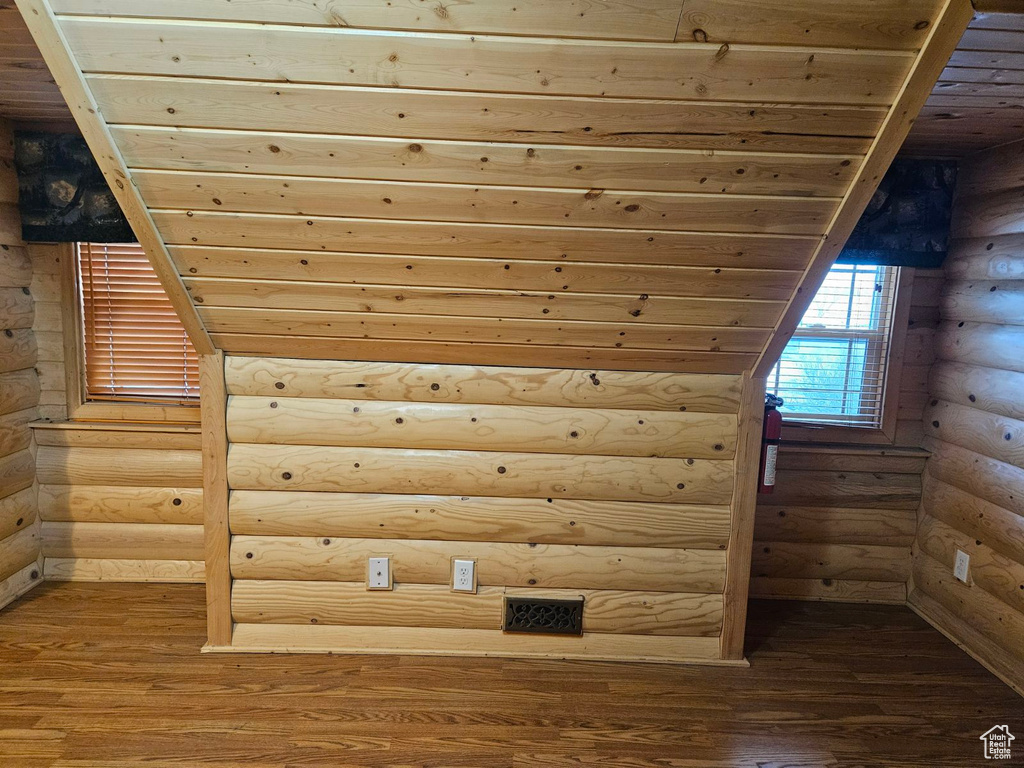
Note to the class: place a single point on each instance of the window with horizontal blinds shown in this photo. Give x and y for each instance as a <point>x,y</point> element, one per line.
<point>833,371</point>
<point>135,346</point>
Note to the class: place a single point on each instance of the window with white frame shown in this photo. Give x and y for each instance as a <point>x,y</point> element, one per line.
<point>833,371</point>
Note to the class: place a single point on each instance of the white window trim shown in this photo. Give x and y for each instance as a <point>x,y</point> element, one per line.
<point>796,429</point>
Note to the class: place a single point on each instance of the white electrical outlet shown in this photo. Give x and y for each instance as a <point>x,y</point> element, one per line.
<point>963,562</point>
<point>463,575</point>
<point>378,574</point>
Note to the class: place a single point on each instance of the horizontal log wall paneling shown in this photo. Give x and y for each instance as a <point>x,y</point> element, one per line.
<point>450,426</point>
<point>120,502</point>
<point>555,387</point>
<point>839,525</point>
<point>562,197</point>
<point>425,605</point>
<point>520,565</point>
<point>469,518</point>
<point>20,559</point>
<point>974,425</point>
<point>609,485</point>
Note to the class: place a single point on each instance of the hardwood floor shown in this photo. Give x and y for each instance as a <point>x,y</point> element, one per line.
<point>110,675</point>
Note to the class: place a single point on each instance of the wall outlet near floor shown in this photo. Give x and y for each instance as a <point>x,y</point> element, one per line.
<point>463,575</point>
<point>963,562</point>
<point>378,573</point>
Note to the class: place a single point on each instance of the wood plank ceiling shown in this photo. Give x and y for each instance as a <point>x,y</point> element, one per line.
<point>978,102</point>
<point>630,184</point>
<point>27,89</point>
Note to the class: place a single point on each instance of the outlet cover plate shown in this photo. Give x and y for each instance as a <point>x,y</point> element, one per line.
<point>378,573</point>
<point>464,574</point>
<point>960,568</point>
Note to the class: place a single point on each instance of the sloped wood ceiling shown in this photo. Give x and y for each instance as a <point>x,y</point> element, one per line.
<point>628,184</point>
<point>27,90</point>
<point>978,101</point>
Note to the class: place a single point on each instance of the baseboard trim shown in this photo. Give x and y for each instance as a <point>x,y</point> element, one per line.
<point>20,582</point>
<point>974,644</point>
<point>420,641</point>
<point>829,590</point>
<point>100,569</point>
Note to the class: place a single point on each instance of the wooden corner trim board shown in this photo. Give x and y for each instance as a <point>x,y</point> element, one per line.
<point>892,388</point>
<point>213,403</point>
<point>47,34</point>
<point>931,60</point>
<point>744,501</point>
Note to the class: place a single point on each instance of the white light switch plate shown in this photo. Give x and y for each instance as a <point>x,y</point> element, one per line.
<point>378,575</point>
<point>463,575</point>
<point>963,562</point>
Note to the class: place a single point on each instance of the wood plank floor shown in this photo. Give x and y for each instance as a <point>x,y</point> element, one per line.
<point>109,675</point>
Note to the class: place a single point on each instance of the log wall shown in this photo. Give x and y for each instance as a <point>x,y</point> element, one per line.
<point>117,502</point>
<point>794,566</point>
<point>840,524</point>
<point>614,486</point>
<point>120,502</point>
<point>974,425</point>
<point>20,564</point>
<point>812,554</point>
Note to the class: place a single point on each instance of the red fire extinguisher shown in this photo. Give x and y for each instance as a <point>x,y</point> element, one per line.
<point>770,443</point>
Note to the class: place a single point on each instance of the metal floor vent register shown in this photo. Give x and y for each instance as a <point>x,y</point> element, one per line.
<point>550,617</point>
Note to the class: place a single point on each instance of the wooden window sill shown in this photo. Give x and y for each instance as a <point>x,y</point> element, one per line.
<point>116,426</point>
<point>134,413</point>
<point>846,449</point>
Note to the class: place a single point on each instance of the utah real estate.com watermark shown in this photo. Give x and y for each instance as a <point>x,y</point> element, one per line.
<point>997,742</point>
